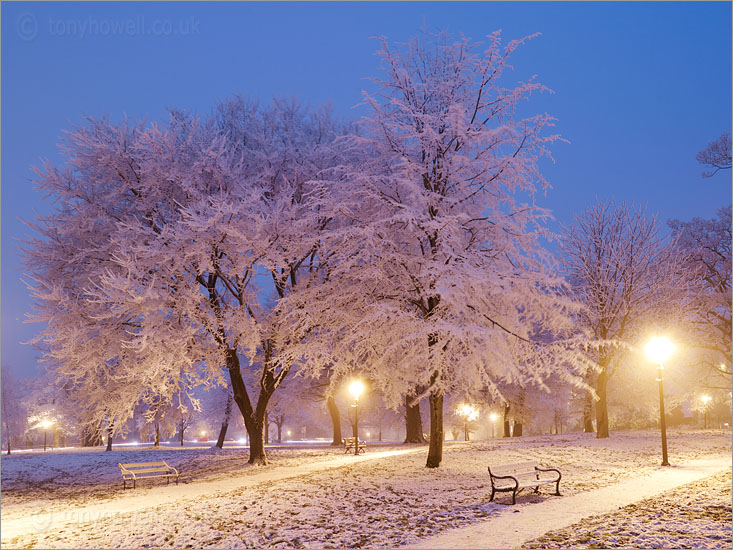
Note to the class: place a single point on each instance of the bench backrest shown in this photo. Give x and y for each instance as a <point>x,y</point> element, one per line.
<point>349,440</point>
<point>518,469</point>
<point>134,465</point>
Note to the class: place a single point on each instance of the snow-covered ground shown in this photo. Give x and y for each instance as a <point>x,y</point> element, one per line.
<point>309,497</point>
<point>695,515</point>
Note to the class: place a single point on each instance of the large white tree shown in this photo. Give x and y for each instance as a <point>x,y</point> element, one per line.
<point>436,271</point>
<point>223,223</point>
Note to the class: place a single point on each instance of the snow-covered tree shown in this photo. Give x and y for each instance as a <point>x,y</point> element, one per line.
<point>436,268</point>
<point>716,155</point>
<point>14,415</point>
<point>629,277</point>
<point>161,250</point>
<point>706,248</point>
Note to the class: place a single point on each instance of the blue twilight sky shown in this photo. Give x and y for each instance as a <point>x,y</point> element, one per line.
<point>639,88</point>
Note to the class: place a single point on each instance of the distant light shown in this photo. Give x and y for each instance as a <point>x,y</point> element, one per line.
<point>242,441</point>
<point>290,433</point>
<point>135,443</point>
<point>706,399</point>
<point>494,417</point>
<point>659,349</point>
<point>356,388</point>
<point>368,434</point>
<point>47,424</point>
<point>203,433</point>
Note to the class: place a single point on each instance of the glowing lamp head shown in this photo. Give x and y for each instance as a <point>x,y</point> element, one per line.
<point>356,388</point>
<point>494,417</point>
<point>46,424</point>
<point>659,349</point>
<point>468,411</point>
<point>706,399</point>
<point>203,433</point>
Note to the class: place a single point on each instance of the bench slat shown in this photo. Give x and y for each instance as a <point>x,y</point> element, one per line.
<point>145,464</point>
<point>150,470</point>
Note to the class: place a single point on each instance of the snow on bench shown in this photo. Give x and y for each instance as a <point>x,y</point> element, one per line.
<point>515,477</point>
<point>349,445</point>
<point>143,470</point>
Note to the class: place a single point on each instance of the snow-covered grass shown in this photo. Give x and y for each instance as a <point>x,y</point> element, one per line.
<point>695,515</point>
<point>387,502</point>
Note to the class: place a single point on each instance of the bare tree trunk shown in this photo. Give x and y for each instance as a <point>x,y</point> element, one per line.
<point>267,427</point>
<point>225,421</point>
<point>435,449</point>
<point>602,404</point>
<point>517,432</point>
<point>413,421</point>
<point>588,413</point>
<point>333,410</point>
<point>157,434</point>
<point>109,438</point>
<point>507,429</point>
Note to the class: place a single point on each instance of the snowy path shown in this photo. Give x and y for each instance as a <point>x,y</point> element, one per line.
<point>131,502</point>
<point>519,524</point>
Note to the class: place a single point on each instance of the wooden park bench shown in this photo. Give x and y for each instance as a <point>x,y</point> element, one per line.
<point>515,477</point>
<point>349,445</point>
<point>143,470</point>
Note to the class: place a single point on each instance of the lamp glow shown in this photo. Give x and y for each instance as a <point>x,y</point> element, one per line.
<point>659,349</point>
<point>356,388</point>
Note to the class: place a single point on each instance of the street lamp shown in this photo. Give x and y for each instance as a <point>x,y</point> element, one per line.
<point>356,388</point>
<point>46,424</point>
<point>494,417</point>
<point>658,349</point>
<point>469,413</point>
<point>706,419</point>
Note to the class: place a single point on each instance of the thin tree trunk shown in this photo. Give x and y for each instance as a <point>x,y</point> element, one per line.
<point>109,438</point>
<point>225,421</point>
<point>517,432</point>
<point>413,421</point>
<point>588,413</point>
<point>507,429</point>
<point>279,433</point>
<point>267,428</point>
<point>333,411</point>
<point>435,449</point>
<point>157,434</point>
<point>602,404</point>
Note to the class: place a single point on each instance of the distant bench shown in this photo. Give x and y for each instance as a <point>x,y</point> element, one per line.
<point>349,445</point>
<point>144,470</point>
<point>515,477</point>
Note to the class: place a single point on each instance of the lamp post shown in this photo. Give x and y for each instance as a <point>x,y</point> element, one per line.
<point>46,425</point>
<point>494,417</point>
<point>658,349</point>
<point>705,404</point>
<point>469,413</point>
<point>356,388</point>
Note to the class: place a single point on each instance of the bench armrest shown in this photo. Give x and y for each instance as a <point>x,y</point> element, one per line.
<point>559,475</point>
<point>170,467</point>
<point>493,477</point>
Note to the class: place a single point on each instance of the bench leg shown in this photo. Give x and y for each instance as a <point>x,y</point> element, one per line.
<point>514,496</point>
<point>492,494</point>
<point>557,488</point>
